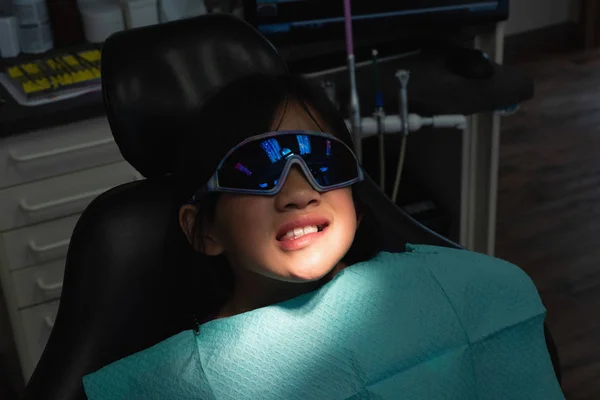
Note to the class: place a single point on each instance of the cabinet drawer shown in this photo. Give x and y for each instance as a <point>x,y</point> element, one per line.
<point>37,325</point>
<point>56,151</point>
<point>38,243</point>
<point>59,196</point>
<point>39,283</point>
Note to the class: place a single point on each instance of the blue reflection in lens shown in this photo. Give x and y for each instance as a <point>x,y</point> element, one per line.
<point>323,169</point>
<point>304,144</point>
<point>262,185</point>
<point>272,148</point>
<point>243,169</point>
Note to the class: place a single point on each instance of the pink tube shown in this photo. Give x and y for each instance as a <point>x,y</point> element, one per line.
<point>348,20</point>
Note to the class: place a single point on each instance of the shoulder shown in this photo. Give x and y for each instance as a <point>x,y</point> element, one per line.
<point>478,286</point>
<point>141,372</point>
<point>464,268</point>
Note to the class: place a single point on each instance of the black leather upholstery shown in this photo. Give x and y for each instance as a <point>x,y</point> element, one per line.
<point>123,288</point>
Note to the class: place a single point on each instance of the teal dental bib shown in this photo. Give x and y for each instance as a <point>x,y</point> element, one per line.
<point>431,323</point>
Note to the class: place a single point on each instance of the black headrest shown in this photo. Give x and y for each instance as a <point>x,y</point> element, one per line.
<point>155,76</point>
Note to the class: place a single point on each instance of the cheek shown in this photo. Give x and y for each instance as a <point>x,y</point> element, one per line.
<point>342,202</point>
<point>241,217</point>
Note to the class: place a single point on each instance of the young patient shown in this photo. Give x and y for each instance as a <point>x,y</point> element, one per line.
<point>262,236</point>
<point>269,174</point>
<point>258,236</point>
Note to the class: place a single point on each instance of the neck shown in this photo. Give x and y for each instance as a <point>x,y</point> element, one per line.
<point>253,291</point>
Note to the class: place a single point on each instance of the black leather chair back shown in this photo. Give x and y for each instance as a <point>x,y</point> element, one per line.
<point>124,290</point>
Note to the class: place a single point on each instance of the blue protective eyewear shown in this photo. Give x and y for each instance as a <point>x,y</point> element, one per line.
<point>260,164</point>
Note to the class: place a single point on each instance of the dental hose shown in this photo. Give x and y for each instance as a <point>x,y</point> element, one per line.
<point>400,168</point>
<point>379,115</point>
<point>403,76</point>
<point>354,104</point>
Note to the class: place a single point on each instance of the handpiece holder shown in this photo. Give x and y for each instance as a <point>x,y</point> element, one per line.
<point>380,124</point>
<point>403,122</point>
<point>393,124</point>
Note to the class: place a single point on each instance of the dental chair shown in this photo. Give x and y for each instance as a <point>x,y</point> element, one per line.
<point>124,287</point>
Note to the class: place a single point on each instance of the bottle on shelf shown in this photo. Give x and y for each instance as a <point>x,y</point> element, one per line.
<point>35,30</point>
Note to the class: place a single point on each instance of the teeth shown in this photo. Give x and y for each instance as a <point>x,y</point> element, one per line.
<point>296,233</point>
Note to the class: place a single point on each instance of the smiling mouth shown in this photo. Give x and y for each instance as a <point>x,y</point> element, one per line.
<point>300,232</point>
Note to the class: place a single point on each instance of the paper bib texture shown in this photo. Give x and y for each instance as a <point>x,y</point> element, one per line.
<point>431,323</point>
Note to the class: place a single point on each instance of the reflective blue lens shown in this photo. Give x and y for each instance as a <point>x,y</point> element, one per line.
<point>258,164</point>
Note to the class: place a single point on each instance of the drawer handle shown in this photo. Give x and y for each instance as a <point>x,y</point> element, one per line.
<point>60,202</point>
<point>53,246</point>
<point>58,152</point>
<point>49,321</point>
<point>52,287</point>
<point>72,199</point>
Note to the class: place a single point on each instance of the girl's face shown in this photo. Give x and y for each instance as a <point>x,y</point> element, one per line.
<point>250,230</point>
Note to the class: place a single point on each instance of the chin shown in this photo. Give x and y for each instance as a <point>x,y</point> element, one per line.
<point>310,270</point>
<point>309,276</point>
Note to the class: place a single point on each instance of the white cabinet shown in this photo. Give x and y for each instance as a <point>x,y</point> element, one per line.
<point>55,151</point>
<point>59,196</point>
<point>37,324</point>
<point>47,178</point>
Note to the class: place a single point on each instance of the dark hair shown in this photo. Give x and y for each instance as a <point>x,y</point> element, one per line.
<point>248,107</point>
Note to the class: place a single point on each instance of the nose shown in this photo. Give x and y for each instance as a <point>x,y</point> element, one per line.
<point>296,193</point>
